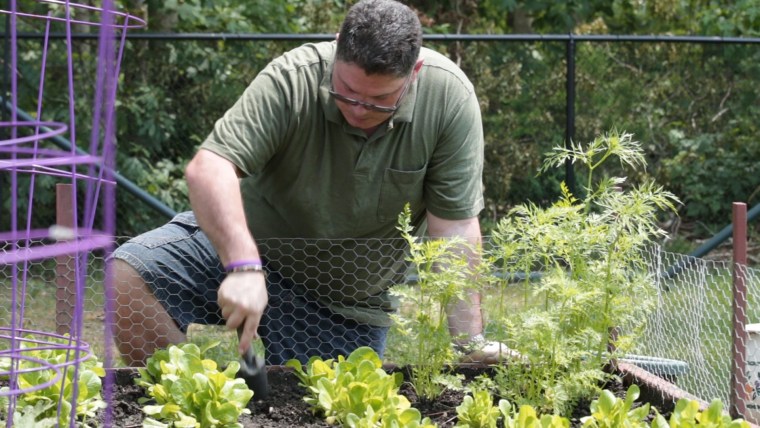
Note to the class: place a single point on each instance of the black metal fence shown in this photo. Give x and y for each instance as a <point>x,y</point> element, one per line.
<point>570,42</point>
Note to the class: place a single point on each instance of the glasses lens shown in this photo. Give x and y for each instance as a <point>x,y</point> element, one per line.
<point>368,106</point>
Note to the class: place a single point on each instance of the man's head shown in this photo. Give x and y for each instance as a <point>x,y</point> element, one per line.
<point>380,37</point>
<point>376,61</point>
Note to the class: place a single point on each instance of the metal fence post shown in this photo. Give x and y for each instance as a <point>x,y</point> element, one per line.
<point>65,265</point>
<point>739,395</point>
<point>570,112</point>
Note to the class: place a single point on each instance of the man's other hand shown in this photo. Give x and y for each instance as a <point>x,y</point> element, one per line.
<point>479,350</point>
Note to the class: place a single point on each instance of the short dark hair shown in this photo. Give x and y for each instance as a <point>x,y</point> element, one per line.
<point>381,37</point>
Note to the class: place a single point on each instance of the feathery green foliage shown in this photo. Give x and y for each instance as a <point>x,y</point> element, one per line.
<point>588,254</point>
<point>444,276</point>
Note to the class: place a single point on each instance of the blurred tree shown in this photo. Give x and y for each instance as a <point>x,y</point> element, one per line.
<point>671,96</point>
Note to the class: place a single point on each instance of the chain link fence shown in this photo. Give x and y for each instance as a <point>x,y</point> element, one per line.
<point>689,335</point>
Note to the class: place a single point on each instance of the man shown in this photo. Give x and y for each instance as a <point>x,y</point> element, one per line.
<point>329,141</point>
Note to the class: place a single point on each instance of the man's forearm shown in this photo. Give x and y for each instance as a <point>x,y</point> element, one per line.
<point>214,192</point>
<point>465,317</point>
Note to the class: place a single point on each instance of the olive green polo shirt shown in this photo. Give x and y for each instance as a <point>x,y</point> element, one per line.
<point>308,174</point>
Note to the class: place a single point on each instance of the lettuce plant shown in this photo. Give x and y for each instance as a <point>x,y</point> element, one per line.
<point>37,416</point>
<point>356,392</point>
<point>609,411</point>
<point>687,415</point>
<point>478,411</point>
<point>54,403</point>
<point>189,391</point>
<point>527,417</point>
<point>613,412</point>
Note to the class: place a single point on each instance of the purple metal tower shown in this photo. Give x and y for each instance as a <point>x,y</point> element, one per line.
<point>86,170</point>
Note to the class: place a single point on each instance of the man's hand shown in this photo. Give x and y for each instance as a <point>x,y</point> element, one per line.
<point>242,298</point>
<point>479,350</point>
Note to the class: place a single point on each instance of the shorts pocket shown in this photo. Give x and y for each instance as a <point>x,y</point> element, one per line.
<point>398,189</point>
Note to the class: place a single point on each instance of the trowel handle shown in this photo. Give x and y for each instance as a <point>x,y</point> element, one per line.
<point>253,370</point>
<point>249,354</point>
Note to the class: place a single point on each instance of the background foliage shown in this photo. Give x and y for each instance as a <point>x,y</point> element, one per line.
<point>693,106</point>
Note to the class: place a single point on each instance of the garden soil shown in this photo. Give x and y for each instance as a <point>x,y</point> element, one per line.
<point>285,407</point>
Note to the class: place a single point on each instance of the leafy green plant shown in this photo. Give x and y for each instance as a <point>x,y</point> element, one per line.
<point>588,254</point>
<point>527,417</point>
<point>356,392</point>
<point>54,403</point>
<point>612,412</point>
<point>688,415</point>
<point>609,411</point>
<point>478,411</point>
<point>190,391</point>
<point>37,416</point>
<point>443,277</point>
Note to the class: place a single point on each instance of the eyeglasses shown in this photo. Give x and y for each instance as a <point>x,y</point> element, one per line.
<point>370,106</point>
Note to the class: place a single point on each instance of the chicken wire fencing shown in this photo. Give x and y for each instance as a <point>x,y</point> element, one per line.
<point>687,339</point>
<point>690,334</point>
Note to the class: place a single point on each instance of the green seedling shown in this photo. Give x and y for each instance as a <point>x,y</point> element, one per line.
<point>190,391</point>
<point>444,276</point>
<point>478,411</point>
<point>687,415</point>
<point>609,411</point>
<point>356,392</point>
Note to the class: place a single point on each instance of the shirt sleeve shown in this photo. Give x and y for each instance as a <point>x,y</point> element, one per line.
<point>453,184</point>
<point>249,133</point>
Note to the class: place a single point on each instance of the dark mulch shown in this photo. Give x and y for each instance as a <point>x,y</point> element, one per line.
<point>285,408</point>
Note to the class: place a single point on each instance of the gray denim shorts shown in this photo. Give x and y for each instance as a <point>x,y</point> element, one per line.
<point>183,270</point>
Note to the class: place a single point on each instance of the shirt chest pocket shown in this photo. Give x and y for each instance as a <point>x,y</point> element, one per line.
<point>398,188</point>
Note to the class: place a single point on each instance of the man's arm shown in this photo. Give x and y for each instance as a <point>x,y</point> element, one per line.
<point>465,317</point>
<point>214,190</point>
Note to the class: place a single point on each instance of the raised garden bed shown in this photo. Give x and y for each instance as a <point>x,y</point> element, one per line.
<point>285,407</point>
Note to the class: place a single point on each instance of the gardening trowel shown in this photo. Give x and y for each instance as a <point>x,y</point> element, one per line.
<point>253,371</point>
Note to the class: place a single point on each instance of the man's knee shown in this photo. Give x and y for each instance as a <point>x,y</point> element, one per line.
<point>141,325</point>
<point>130,290</point>
<point>124,275</point>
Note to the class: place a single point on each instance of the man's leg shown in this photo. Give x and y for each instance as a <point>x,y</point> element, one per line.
<point>296,326</point>
<point>141,325</point>
<point>164,280</point>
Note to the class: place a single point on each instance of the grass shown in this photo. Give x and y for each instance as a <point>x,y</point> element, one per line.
<point>39,302</point>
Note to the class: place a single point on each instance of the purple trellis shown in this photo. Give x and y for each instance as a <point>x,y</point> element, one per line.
<point>86,168</point>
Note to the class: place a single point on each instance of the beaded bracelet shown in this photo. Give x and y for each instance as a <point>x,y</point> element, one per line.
<point>248,268</point>
<point>254,265</point>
